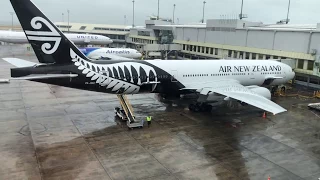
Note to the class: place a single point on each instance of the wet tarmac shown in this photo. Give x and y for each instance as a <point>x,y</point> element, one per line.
<point>51,132</point>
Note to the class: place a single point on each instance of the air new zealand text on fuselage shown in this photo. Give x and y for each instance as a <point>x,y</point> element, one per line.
<point>258,68</point>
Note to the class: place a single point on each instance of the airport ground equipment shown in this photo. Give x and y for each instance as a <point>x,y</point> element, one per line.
<point>317,94</point>
<point>126,113</point>
<point>315,106</point>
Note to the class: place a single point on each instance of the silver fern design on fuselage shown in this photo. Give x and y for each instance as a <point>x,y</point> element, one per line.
<point>108,75</point>
<point>44,36</point>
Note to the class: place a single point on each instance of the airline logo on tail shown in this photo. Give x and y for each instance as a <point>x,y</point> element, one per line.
<point>44,36</point>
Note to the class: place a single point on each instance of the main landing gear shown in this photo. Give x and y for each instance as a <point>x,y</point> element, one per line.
<point>200,107</point>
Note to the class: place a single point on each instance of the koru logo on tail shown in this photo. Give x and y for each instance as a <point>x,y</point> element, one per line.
<point>44,36</point>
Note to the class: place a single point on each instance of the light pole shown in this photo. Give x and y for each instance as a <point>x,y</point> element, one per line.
<point>287,20</point>
<point>174,9</point>
<point>133,14</point>
<point>68,20</point>
<point>12,13</point>
<point>204,4</point>
<point>241,15</point>
<point>158,17</point>
<point>63,17</point>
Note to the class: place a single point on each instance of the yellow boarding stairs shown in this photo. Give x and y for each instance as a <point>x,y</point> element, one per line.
<point>126,113</point>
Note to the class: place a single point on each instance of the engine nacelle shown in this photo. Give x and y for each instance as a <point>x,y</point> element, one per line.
<point>261,91</point>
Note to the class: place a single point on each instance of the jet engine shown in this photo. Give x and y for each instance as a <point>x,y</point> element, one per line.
<point>261,91</point>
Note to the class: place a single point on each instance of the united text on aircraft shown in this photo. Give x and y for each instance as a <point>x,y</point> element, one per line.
<point>79,39</point>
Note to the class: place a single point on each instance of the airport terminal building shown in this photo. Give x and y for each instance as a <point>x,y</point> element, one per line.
<point>238,39</point>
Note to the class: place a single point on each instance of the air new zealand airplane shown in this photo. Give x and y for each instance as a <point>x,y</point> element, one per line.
<point>63,64</point>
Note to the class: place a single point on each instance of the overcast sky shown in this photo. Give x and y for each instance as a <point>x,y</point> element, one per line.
<point>188,11</point>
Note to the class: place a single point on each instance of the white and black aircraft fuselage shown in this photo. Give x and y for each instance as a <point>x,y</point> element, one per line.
<point>63,64</point>
<point>79,39</point>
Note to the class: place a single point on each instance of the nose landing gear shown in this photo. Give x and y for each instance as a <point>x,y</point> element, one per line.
<point>200,107</point>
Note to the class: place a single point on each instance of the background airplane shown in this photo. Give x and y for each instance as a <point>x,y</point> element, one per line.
<point>79,39</point>
<point>111,53</point>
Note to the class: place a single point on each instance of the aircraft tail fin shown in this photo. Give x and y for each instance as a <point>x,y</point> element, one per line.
<point>49,43</point>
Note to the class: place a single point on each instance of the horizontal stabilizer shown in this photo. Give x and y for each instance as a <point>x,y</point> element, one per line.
<point>45,76</point>
<point>19,62</point>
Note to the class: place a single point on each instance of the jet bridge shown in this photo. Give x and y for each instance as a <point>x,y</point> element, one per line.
<point>127,113</point>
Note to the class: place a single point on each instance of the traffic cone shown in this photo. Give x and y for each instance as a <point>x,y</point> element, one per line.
<point>269,178</point>
<point>264,115</point>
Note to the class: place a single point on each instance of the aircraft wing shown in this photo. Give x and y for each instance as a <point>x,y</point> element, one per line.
<point>232,89</point>
<point>110,57</point>
<point>19,62</point>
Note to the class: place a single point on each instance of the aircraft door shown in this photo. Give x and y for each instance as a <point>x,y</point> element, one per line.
<point>254,78</point>
<point>174,75</point>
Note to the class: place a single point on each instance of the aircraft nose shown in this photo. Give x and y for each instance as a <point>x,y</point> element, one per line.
<point>107,40</point>
<point>139,55</point>
<point>293,74</point>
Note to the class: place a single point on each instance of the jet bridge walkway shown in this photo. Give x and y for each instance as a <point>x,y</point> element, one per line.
<point>127,113</point>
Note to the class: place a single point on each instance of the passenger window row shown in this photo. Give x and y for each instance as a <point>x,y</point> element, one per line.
<point>196,75</point>
<point>144,77</point>
<point>204,75</point>
<point>272,73</point>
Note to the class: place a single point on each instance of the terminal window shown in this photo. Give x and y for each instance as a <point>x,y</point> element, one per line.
<point>247,55</point>
<point>83,27</point>
<point>211,50</point>
<point>235,54</point>
<point>314,81</point>
<point>241,55</point>
<point>254,56</point>
<point>310,65</point>
<point>302,78</point>
<point>216,51</point>
<point>300,64</point>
